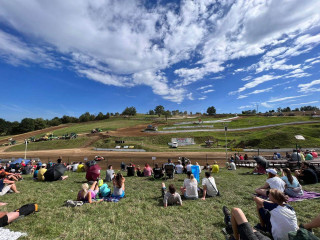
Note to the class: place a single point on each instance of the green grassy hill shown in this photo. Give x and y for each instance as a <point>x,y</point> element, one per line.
<point>140,215</point>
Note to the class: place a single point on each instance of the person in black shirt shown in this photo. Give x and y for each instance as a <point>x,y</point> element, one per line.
<point>306,174</point>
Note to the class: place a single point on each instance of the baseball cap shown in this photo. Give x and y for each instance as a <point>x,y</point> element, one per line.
<point>272,171</point>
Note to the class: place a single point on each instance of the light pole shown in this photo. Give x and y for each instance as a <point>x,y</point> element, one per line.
<point>225,134</point>
<point>25,150</point>
<point>298,137</point>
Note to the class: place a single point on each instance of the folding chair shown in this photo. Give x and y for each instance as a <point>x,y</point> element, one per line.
<point>169,171</point>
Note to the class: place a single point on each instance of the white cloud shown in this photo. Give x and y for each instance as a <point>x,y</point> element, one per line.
<point>124,43</point>
<point>305,103</point>
<point>246,106</point>
<point>284,98</point>
<point>247,78</point>
<point>204,87</point>
<point>202,98</point>
<point>208,91</point>
<point>308,87</point>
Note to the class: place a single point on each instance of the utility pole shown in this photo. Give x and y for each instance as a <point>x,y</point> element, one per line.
<point>25,150</point>
<point>225,134</point>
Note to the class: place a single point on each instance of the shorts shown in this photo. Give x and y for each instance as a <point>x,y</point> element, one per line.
<point>265,215</point>
<point>187,197</point>
<point>246,233</point>
<point>5,190</point>
<point>4,221</point>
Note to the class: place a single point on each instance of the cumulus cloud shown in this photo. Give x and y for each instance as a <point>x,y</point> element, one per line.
<point>127,43</point>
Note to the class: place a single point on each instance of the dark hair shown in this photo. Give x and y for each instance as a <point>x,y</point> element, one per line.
<point>156,165</point>
<point>189,174</point>
<point>306,164</point>
<point>208,174</point>
<point>119,179</point>
<point>289,175</point>
<point>2,175</point>
<point>169,160</point>
<point>109,167</point>
<point>172,189</point>
<point>59,160</point>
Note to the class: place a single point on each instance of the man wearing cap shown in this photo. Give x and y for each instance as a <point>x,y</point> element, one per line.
<point>273,182</point>
<point>41,172</point>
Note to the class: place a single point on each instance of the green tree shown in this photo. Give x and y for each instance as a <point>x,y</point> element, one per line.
<point>167,114</point>
<point>211,110</point>
<point>39,123</point>
<point>100,116</point>
<point>3,126</point>
<point>66,119</point>
<point>54,121</point>
<point>151,112</point>
<point>27,125</point>
<point>131,111</point>
<point>85,117</point>
<point>107,116</point>
<point>159,110</point>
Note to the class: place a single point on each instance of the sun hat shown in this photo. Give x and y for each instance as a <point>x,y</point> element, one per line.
<point>272,171</point>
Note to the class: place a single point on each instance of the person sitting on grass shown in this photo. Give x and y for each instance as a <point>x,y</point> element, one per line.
<point>118,186</point>
<point>9,217</point>
<point>215,167</point>
<point>259,170</point>
<point>238,226</point>
<point>171,197</point>
<point>147,170</point>
<point>306,174</point>
<point>11,176</point>
<point>293,187</point>
<point>190,187</point>
<point>41,172</point>
<point>232,166</point>
<point>276,217</point>
<point>139,172</point>
<point>87,194</point>
<point>273,182</point>
<point>209,186</point>
<point>6,185</point>
<point>179,167</point>
<point>157,171</point>
<point>35,173</point>
<point>109,174</point>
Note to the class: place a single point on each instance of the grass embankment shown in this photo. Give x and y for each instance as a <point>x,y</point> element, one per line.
<point>140,215</point>
<point>275,137</point>
<point>51,145</point>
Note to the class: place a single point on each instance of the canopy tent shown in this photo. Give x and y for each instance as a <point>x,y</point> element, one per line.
<point>93,172</point>
<point>19,160</point>
<point>55,172</point>
<point>262,161</point>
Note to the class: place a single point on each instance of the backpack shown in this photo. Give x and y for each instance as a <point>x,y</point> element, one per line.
<point>302,234</point>
<point>104,190</point>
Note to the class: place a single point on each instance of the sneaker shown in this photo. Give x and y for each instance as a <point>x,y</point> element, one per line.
<point>227,220</point>
<point>227,215</point>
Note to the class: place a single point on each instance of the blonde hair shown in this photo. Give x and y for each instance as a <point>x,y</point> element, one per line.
<point>84,190</point>
<point>192,177</point>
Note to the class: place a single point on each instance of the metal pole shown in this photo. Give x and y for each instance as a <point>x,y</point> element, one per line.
<point>25,150</point>
<point>298,155</point>
<point>225,134</point>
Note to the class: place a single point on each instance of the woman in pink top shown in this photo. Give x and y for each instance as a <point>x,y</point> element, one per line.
<point>147,171</point>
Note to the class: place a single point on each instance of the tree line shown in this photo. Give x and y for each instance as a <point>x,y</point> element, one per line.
<point>30,124</point>
<point>286,109</point>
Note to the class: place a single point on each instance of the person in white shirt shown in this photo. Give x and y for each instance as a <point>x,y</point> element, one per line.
<point>179,168</point>
<point>232,166</point>
<point>209,186</point>
<point>189,166</point>
<point>273,182</point>
<point>190,187</point>
<point>276,216</point>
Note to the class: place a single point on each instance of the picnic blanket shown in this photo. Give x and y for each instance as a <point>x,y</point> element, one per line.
<point>7,234</point>
<point>306,195</point>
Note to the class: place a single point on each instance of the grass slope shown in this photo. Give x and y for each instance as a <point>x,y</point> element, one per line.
<point>54,144</point>
<point>140,215</point>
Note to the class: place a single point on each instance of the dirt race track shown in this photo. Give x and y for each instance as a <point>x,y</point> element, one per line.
<point>115,158</point>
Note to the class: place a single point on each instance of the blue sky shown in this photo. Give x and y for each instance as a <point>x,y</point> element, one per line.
<point>68,57</point>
